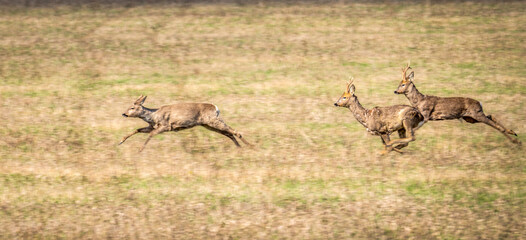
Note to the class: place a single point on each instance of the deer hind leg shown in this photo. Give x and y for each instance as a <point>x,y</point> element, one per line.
<point>401,134</point>
<point>220,125</point>
<point>492,123</point>
<point>508,131</point>
<point>469,119</point>
<point>404,141</point>
<point>140,130</point>
<point>228,134</point>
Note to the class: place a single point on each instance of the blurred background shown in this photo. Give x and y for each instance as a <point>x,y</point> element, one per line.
<point>69,69</point>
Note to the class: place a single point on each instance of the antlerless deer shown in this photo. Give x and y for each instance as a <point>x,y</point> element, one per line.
<point>441,108</point>
<point>384,121</point>
<point>178,117</point>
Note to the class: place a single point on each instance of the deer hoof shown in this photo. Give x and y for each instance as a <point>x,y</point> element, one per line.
<point>386,150</point>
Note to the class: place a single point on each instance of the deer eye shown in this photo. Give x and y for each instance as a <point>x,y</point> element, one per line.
<point>403,85</point>
<point>132,108</point>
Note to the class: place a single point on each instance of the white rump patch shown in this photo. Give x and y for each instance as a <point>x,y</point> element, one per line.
<point>217,110</point>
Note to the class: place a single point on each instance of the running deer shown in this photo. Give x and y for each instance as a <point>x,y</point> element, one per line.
<point>384,121</point>
<point>440,108</point>
<point>178,117</point>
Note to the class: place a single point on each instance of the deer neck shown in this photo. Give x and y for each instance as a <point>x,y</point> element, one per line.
<point>147,115</point>
<point>359,112</point>
<point>414,95</point>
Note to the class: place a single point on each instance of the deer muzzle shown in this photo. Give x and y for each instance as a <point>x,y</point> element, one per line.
<point>124,115</point>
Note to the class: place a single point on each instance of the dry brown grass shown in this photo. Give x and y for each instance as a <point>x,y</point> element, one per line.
<point>274,71</point>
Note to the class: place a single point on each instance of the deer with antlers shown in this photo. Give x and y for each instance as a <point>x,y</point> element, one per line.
<point>435,108</point>
<point>178,117</point>
<point>384,121</point>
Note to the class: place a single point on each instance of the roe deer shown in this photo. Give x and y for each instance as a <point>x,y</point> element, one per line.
<point>443,108</point>
<point>178,117</point>
<point>384,120</point>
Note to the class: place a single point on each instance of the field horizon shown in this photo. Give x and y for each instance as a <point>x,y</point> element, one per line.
<point>274,70</point>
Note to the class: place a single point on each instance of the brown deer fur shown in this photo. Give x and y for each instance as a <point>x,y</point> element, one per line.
<point>435,108</point>
<point>178,117</point>
<point>383,121</point>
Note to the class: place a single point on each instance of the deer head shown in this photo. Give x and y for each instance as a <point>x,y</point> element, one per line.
<point>406,82</point>
<point>345,99</point>
<point>136,109</point>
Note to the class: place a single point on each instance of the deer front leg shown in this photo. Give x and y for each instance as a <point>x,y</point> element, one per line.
<point>385,140</point>
<point>154,132</point>
<point>388,148</point>
<point>427,116</point>
<point>426,113</point>
<point>140,130</point>
<point>406,140</point>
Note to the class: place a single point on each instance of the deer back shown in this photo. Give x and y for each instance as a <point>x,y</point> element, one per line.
<point>185,114</point>
<point>449,107</point>
<point>389,119</point>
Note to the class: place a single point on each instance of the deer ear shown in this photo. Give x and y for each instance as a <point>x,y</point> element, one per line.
<point>411,76</point>
<point>140,100</point>
<point>143,99</point>
<point>351,89</point>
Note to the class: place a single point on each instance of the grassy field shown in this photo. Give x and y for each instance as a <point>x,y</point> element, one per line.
<point>68,73</point>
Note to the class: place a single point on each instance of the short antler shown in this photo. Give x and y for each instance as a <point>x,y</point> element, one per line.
<point>351,80</point>
<point>404,70</point>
